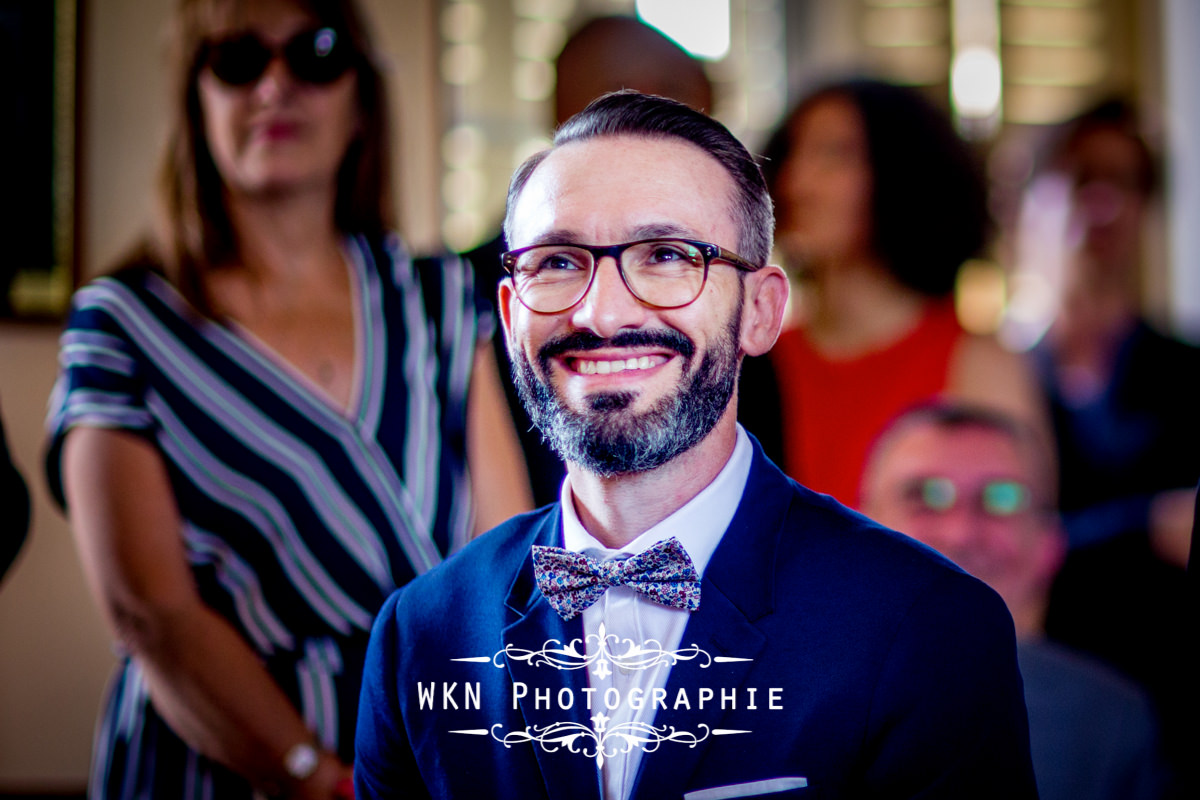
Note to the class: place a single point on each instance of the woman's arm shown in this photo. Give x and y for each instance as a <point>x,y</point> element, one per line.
<point>499,477</point>
<point>203,678</point>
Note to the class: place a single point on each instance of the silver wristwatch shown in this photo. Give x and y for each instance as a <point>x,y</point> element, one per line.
<point>301,761</point>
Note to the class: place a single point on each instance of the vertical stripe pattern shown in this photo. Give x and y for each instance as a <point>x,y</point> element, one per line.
<point>299,518</point>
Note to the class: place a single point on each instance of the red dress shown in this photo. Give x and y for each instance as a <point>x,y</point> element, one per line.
<point>833,409</point>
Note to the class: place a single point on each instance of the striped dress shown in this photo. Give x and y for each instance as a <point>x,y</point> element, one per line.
<point>298,518</point>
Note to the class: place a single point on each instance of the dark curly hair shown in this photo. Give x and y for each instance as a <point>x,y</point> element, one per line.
<point>929,210</point>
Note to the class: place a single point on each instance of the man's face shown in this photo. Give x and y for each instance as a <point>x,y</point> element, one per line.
<point>615,385</point>
<point>1108,203</point>
<point>959,490</point>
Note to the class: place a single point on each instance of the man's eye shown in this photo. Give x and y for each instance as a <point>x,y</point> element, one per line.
<point>561,261</point>
<point>666,254</point>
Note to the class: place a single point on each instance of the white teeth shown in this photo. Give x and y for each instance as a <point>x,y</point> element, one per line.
<point>607,367</point>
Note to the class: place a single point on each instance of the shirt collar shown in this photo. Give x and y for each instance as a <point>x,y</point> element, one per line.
<point>698,525</point>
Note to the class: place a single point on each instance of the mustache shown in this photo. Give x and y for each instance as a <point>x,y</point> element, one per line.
<point>585,340</point>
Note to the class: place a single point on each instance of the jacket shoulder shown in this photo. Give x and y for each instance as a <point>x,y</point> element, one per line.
<point>478,578</point>
<point>868,565</point>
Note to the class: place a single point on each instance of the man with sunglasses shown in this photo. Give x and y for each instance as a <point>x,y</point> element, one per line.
<point>979,488</point>
<point>686,621</point>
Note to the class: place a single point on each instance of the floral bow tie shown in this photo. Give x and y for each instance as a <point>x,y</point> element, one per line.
<point>573,581</point>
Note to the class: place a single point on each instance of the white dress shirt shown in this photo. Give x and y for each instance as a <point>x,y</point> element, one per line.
<point>629,618</point>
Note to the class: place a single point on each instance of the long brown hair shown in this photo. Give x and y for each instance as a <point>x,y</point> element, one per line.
<point>194,230</point>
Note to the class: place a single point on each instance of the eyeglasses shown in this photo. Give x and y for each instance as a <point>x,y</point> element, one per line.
<point>663,273</point>
<point>996,498</point>
<point>318,56</point>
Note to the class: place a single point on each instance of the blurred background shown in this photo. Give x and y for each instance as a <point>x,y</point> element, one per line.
<point>83,94</point>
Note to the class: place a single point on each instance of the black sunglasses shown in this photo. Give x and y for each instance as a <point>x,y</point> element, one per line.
<point>318,56</point>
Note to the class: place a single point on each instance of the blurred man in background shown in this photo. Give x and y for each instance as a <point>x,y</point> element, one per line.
<point>604,55</point>
<point>980,488</point>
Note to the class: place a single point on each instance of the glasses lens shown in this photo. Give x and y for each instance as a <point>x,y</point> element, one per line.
<point>239,61</point>
<point>320,56</point>
<point>938,494</point>
<point>551,278</point>
<point>664,272</point>
<point>1004,498</point>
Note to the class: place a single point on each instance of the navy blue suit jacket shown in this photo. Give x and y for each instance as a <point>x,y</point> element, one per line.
<point>896,672</point>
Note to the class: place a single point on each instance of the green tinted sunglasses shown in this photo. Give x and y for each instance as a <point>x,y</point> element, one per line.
<point>997,498</point>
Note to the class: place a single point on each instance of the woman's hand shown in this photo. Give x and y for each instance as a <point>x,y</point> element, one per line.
<point>1171,516</point>
<point>203,678</point>
<point>332,780</point>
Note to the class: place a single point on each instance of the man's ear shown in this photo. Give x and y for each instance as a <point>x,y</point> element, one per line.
<point>762,312</point>
<point>1050,552</point>
<point>508,297</point>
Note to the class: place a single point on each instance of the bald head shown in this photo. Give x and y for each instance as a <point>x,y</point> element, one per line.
<point>977,487</point>
<point>612,53</point>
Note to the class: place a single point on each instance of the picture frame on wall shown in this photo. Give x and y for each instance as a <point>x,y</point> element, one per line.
<point>38,46</point>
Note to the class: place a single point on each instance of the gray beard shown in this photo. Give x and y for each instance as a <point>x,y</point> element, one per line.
<point>608,439</point>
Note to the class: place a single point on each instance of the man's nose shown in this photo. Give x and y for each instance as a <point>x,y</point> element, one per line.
<point>608,306</point>
<point>957,528</point>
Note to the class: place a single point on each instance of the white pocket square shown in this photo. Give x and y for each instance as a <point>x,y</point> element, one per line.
<point>751,789</point>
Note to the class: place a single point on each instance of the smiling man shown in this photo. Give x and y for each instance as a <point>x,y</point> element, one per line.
<point>979,487</point>
<point>686,621</point>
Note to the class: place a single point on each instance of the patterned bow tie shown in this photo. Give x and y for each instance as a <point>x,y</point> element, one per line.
<point>573,581</point>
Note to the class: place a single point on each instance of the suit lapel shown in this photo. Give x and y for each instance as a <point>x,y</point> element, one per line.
<point>720,629</point>
<point>738,589</point>
<point>537,629</point>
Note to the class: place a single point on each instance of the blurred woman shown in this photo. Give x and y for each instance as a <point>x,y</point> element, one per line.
<point>261,426</point>
<point>1123,411</point>
<point>878,203</point>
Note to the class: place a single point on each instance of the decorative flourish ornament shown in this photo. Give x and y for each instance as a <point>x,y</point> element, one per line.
<point>600,741</point>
